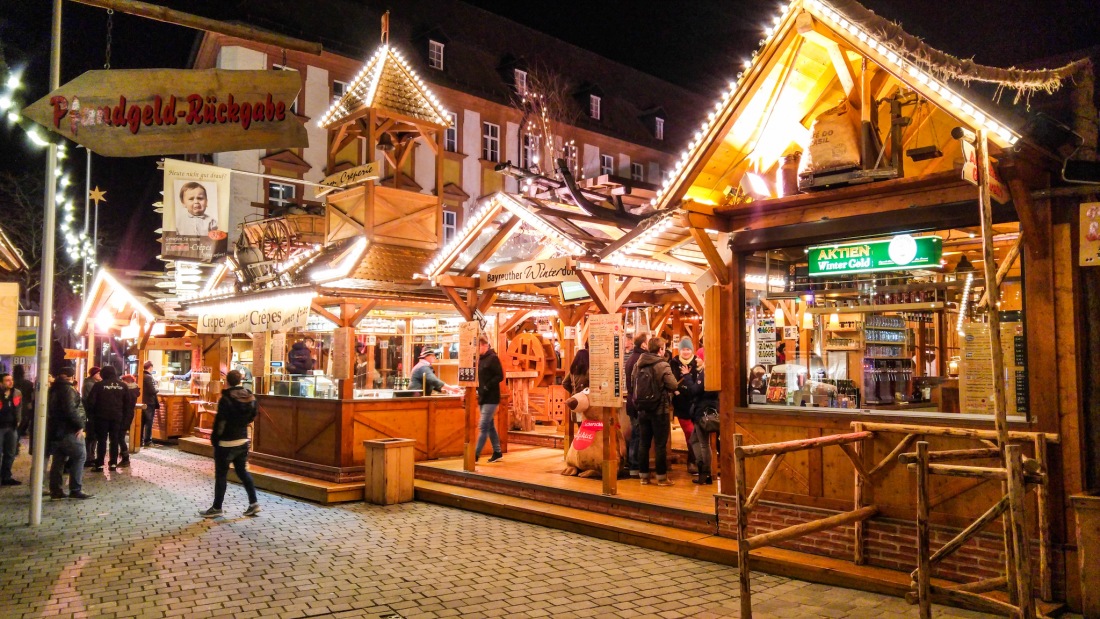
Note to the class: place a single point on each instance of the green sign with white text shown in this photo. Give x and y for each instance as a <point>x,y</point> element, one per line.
<point>903,252</point>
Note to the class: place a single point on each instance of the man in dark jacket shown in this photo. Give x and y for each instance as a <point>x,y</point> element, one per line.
<point>653,418</point>
<point>65,421</point>
<point>300,358</point>
<point>26,389</point>
<point>90,441</point>
<point>11,409</point>
<point>108,401</point>
<point>150,402</point>
<point>489,375</point>
<point>634,439</point>
<point>229,435</point>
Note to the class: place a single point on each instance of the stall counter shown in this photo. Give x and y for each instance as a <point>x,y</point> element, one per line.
<point>323,438</point>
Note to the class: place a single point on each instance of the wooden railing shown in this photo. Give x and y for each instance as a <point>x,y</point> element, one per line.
<point>747,501</point>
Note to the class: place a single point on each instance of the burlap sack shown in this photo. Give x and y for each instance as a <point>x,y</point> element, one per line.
<point>835,141</point>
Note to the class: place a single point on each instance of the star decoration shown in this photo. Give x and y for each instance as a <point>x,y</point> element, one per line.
<point>97,195</point>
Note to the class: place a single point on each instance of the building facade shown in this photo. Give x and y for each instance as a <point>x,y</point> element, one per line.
<point>611,123</point>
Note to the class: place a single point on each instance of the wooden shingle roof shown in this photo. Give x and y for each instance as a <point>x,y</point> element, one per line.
<point>387,83</point>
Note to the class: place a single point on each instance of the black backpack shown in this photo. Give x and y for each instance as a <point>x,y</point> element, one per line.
<point>648,393</point>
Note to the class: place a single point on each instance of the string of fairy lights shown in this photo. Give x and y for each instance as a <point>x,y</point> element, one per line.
<point>77,243</point>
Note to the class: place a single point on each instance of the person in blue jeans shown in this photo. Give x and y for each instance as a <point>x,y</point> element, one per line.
<point>65,421</point>
<point>634,441</point>
<point>489,375</point>
<point>229,435</point>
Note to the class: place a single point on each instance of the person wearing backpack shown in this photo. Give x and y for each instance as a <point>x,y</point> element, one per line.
<point>229,435</point>
<point>653,384</point>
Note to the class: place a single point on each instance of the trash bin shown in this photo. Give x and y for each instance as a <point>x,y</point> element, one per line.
<point>1087,509</point>
<point>389,470</point>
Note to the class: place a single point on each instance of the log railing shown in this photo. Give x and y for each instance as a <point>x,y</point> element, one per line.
<point>1035,470</point>
<point>1018,579</point>
<point>746,501</point>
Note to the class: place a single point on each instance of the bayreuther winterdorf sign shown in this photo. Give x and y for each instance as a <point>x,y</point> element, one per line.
<point>134,113</point>
<point>553,271</point>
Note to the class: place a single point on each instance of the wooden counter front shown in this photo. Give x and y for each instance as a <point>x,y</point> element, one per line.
<point>174,417</point>
<point>323,438</point>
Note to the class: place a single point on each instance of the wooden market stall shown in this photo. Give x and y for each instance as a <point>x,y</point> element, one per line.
<point>910,302</point>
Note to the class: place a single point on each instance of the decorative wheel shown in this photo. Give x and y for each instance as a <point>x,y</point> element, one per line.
<point>277,240</point>
<point>528,353</point>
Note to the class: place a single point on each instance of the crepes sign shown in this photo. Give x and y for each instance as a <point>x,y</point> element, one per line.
<point>553,271</point>
<point>254,320</point>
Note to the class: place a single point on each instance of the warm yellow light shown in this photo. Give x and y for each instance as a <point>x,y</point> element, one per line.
<point>834,321</point>
<point>778,317</point>
<point>807,321</point>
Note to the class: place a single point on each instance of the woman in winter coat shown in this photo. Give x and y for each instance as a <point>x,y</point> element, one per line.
<point>702,401</point>
<point>685,369</point>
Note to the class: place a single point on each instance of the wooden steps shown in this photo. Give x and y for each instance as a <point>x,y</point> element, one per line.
<point>297,486</point>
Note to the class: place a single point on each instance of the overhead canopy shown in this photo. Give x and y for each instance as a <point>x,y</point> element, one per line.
<point>818,54</point>
<point>111,304</point>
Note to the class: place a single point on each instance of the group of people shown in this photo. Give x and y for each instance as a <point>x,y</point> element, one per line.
<point>660,385</point>
<point>109,403</point>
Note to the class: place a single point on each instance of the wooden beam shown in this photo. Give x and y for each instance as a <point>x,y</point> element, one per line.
<point>595,290</point>
<point>692,296</point>
<point>777,537</point>
<point>327,314</point>
<point>363,311</point>
<point>813,32</point>
<point>717,266</point>
<point>486,301</point>
<point>179,18</point>
<point>659,318</point>
<point>514,319</point>
<point>458,302</point>
<point>456,281</point>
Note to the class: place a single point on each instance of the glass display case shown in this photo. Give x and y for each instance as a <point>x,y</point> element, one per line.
<point>302,386</point>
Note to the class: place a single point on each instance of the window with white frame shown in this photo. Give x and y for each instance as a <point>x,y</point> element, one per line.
<point>280,194</point>
<point>450,225</point>
<point>450,135</point>
<point>280,67</point>
<point>659,128</point>
<point>571,157</point>
<point>490,142</point>
<point>530,153</point>
<point>520,77</point>
<point>637,172</point>
<point>594,107</point>
<point>435,54</point>
<point>607,164</point>
<point>338,89</point>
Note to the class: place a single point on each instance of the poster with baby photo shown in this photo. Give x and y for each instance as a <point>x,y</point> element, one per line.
<point>196,211</point>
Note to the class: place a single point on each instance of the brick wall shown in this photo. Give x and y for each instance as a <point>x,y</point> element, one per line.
<point>888,543</point>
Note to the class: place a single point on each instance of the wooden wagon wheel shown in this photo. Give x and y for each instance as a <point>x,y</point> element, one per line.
<point>276,240</point>
<point>527,352</point>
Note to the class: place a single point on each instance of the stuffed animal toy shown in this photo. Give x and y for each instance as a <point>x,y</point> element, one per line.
<point>585,455</point>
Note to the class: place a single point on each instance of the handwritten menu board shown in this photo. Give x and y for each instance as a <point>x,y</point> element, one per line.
<point>765,341</point>
<point>467,353</point>
<point>278,347</point>
<point>605,360</point>
<point>976,370</point>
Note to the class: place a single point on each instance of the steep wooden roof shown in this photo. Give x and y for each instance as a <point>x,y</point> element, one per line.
<point>387,83</point>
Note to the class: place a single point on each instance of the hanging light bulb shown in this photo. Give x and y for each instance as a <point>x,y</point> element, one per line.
<point>778,317</point>
<point>834,320</point>
<point>807,321</point>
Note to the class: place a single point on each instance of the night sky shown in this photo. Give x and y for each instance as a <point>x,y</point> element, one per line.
<point>697,44</point>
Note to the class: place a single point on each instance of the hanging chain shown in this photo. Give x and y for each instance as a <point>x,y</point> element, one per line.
<point>110,26</point>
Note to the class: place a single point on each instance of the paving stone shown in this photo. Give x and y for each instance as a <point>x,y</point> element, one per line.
<point>139,550</point>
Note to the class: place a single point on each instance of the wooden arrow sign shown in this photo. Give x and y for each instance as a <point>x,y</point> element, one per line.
<point>134,113</point>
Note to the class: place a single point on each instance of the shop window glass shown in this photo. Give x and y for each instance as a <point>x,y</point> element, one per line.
<point>435,54</point>
<point>607,164</point>
<point>490,142</point>
<point>842,326</point>
<point>450,134</point>
<point>637,172</point>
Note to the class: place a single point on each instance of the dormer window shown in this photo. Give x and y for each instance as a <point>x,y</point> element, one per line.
<point>607,164</point>
<point>659,128</point>
<point>435,55</point>
<point>594,107</point>
<point>520,78</point>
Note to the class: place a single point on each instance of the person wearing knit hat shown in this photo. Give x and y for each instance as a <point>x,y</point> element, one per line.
<point>90,440</point>
<point>685,369</point>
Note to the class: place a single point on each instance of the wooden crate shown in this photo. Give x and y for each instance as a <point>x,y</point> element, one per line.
<point>389,470</point>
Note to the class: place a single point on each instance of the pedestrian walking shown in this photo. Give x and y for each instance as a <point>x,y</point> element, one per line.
<point>489,375</point>
<point>149,399</point>
<point>229,435</point>
<point>90,441</point>
<point>11,409</point>
<point>653,384</point>
<point>109,400</point>
<point>65,421</point>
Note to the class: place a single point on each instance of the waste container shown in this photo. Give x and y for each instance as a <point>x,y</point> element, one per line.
<point>1087,509</point>
<point>389,470</point>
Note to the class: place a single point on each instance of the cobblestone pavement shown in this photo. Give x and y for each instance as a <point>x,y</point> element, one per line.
<point>139,549</point>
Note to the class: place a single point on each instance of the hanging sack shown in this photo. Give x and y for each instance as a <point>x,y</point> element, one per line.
<point>834,142</point>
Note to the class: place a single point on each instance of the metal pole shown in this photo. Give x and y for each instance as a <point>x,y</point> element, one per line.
<point>87,220</point>
<point>45,322</point>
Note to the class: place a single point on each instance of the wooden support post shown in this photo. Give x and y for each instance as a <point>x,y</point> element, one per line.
<point>859,500</point>
<point>470,431</point>
<point>1042,494</point>
<point>762,481</point>
<point>924,566</point>
<point>731,349</point>
<point>975,527</point>
<point>610,468</point>
<point>802,444</point>
<point>742,527</point>
<point>890,458</point>
<point>1017,496</point>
